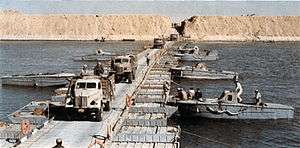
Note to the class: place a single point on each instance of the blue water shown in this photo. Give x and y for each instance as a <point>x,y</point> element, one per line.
<point>177,10</point>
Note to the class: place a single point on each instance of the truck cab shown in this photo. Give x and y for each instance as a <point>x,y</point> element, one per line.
<point>89,96</point>
<point>88,93</point>
<point>124,67</point>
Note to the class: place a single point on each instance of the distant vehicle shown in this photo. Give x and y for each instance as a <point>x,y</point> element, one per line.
<point>227,107</point>
<point>158,43</point>
<point>88,96</point>
<point>37,80</point>
<point>124,67</point>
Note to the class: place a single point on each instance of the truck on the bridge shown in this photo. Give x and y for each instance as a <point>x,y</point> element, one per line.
<point>89,96</point>
<point>124,67</point>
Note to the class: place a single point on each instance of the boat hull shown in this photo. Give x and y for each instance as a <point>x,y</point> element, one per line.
<point>188,73</point>
<point>93,58</point>
<point>212,56</point>
<point>235,111</point>
<point>37,80</point>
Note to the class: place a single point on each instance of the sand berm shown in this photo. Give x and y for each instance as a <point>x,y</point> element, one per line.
<point>19,26</point>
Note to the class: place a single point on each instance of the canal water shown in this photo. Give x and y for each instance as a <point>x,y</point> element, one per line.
<point>273,68</point>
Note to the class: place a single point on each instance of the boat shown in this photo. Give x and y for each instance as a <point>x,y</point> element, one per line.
<point>195,54</point>
<point>36,112</point>
<point>191,72</point>
<point>229,108</point>
<point>38,80</point>
<point>98,56</point>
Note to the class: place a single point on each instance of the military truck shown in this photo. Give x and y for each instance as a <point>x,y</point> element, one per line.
<point>124,67</point>
<point>89,96</point>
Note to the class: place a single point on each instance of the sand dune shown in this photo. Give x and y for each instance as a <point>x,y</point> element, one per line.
<point>15,25</point>
<point>242,28</point>
<point>18,26</point>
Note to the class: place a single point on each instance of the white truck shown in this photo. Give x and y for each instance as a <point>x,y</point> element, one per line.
<point>89,96</point>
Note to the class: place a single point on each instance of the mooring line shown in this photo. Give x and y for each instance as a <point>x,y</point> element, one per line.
<point>196,135</point>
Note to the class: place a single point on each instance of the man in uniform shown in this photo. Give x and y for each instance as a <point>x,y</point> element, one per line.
<point>238,90</point>
<point>166,89</point>
<point>198,95</point>
<point>84,71</point>
<point>191,93</point>
<point>58,143</point>
<point>98,70</point>
<point>257,98</point>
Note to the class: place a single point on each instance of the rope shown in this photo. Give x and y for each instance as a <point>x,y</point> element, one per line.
<point>193,134</point>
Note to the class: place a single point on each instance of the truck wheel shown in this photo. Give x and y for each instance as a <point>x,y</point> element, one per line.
<point>117,79</point>
<point>98,116</point>
<point>107,106</point>
<point>133,75</point>
<point>130,78</point>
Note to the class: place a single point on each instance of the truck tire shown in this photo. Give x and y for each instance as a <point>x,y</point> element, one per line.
<point>130,78</point>
<point>98,116</point>
<point>133,75</point>
<point>107,106</point>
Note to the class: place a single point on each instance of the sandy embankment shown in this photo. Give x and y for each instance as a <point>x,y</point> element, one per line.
<point>18,26</point>
<point>242,28</point>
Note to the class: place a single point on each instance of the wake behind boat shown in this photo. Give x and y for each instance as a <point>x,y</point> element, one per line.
<point>200,71</point>
<point>37,80</point>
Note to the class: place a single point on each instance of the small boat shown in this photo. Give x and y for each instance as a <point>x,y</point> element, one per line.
<point>38,80</point>
<point>191,72</point>
<point>36,112</point>
<point>229,108</point>
<point>98,56</point>
<point>196,55</point>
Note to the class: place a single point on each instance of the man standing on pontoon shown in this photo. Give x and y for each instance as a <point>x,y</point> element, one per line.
<point>238,90</point>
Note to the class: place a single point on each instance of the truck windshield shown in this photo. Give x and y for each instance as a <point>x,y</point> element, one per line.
<point>80,85</point>
<point>125,60</point>
<point>117,60</point>
<point>91,85</point>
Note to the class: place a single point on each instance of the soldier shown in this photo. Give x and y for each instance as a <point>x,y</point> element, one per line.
<point>148,59</point>
<point>198,95</point>
<point>58,143</point>
<point>98,70</point>
<point>166,89</point>
<point>257,98</point>
<point>238,90</point>
<point>83,70</point>
<point>184,94</point>
<point>191,93</point>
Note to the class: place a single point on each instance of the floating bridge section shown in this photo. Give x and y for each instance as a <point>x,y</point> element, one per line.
<point>143,124</point>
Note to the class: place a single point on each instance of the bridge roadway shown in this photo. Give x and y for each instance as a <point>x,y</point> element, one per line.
<point>79,133</point>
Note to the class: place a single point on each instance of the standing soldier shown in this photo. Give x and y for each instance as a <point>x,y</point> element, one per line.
<point>238,90</point>
<point>98,70</point>
<point>166,89</point>
<point>257,98</point>
<point>148,59</point>
<point>84,71</point>
<point>58,143</point>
